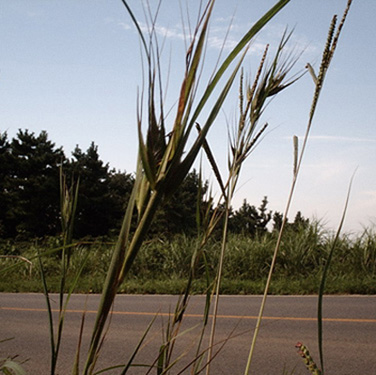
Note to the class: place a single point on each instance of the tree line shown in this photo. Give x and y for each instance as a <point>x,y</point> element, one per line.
<point>29,194</point>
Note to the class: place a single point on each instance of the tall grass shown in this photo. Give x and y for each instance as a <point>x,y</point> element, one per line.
<point>164,164</point>
<point>68,204</point>
<point>328,53</point>
<point>162,266</point>
<point>166,155</point>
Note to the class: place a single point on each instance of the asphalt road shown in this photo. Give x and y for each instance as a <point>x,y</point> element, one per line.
<point>349,332</point>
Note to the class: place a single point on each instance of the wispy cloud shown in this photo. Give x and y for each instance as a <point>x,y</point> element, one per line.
<point>160,30</point>
<point>334,138</point>
<point>112,21</point>
<point>217,42</point>
<point>124,25</point>
<point>167,32</point>
<point>227,20</point>
<point>108,20</point>
<point>327,171</point>
<point>298,41</point>
<point>225,33</point>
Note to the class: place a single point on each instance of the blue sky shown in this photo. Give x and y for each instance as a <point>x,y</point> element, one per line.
<point>72,68</point>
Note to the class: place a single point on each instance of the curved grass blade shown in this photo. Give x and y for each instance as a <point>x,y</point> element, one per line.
<point>220,72</point>
<point>131,359</point>
<point>76,364</point>
<point>140,33</point>
<point>329,50</point>
<point>233,54</point>
<point>324,278</point>
<point>146,163</point>
<point>10,367</point>
<point>182,169</point>
<point>49,312</point>
<point>171,172</point>
<point>63,310</point>
<point>111,282</point>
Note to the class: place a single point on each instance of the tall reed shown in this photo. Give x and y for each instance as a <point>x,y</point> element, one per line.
<point>270,80</point>
<point>163,164</point>
<point>328,53</point>
<point>68,205</point>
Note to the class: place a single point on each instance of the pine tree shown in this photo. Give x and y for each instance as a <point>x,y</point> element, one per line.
<point>251,220</point>
<point>178,214</point>
<point>5,166</point>
<point>120,188</point>
<point>32,185</point>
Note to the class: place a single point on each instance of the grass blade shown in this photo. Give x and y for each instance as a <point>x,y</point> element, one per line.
<point>327,56</point>
<point>111,282</point>
<point>234,53</point>
<point>137,348</point>
<point>324,278</point>
<point>49,312</point>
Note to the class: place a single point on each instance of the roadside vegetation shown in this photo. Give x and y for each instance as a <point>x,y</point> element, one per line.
<point>163,263</point>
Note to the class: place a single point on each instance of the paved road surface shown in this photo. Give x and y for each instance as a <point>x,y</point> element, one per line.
<point>349,332</point>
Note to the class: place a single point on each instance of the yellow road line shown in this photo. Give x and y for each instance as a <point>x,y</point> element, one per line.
<point>291,318</point>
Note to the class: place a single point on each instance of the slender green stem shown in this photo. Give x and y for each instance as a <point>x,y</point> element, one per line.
<point>324,278</point>
<point>268,281</point>
<point>118,269</point>
<point>326,58</point>
<point>50,318</point>
<point>218,285</point>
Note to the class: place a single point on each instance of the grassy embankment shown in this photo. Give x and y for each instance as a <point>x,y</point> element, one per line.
<point>162,265</point>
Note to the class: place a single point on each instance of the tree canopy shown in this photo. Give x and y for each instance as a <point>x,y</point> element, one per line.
<point>29,194</point>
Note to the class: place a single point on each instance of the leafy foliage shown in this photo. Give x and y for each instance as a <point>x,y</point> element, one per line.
<point>162,264</point>
<point>29,180</point>
<point>31,185</point>
<point>251,220</point>
<point>178,214</point>
<point>94,210</point>
<point>29,188</point>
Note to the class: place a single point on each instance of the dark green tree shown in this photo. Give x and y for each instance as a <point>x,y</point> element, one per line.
<point>93,209</point>
<point>178,214</point>
<point>277,221</point>
<point>120,188</point>
<point>5,167</point>
<point>300,222</point>
<point>251,220</point>
<point>103,193</point>
<point>32,185</point>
